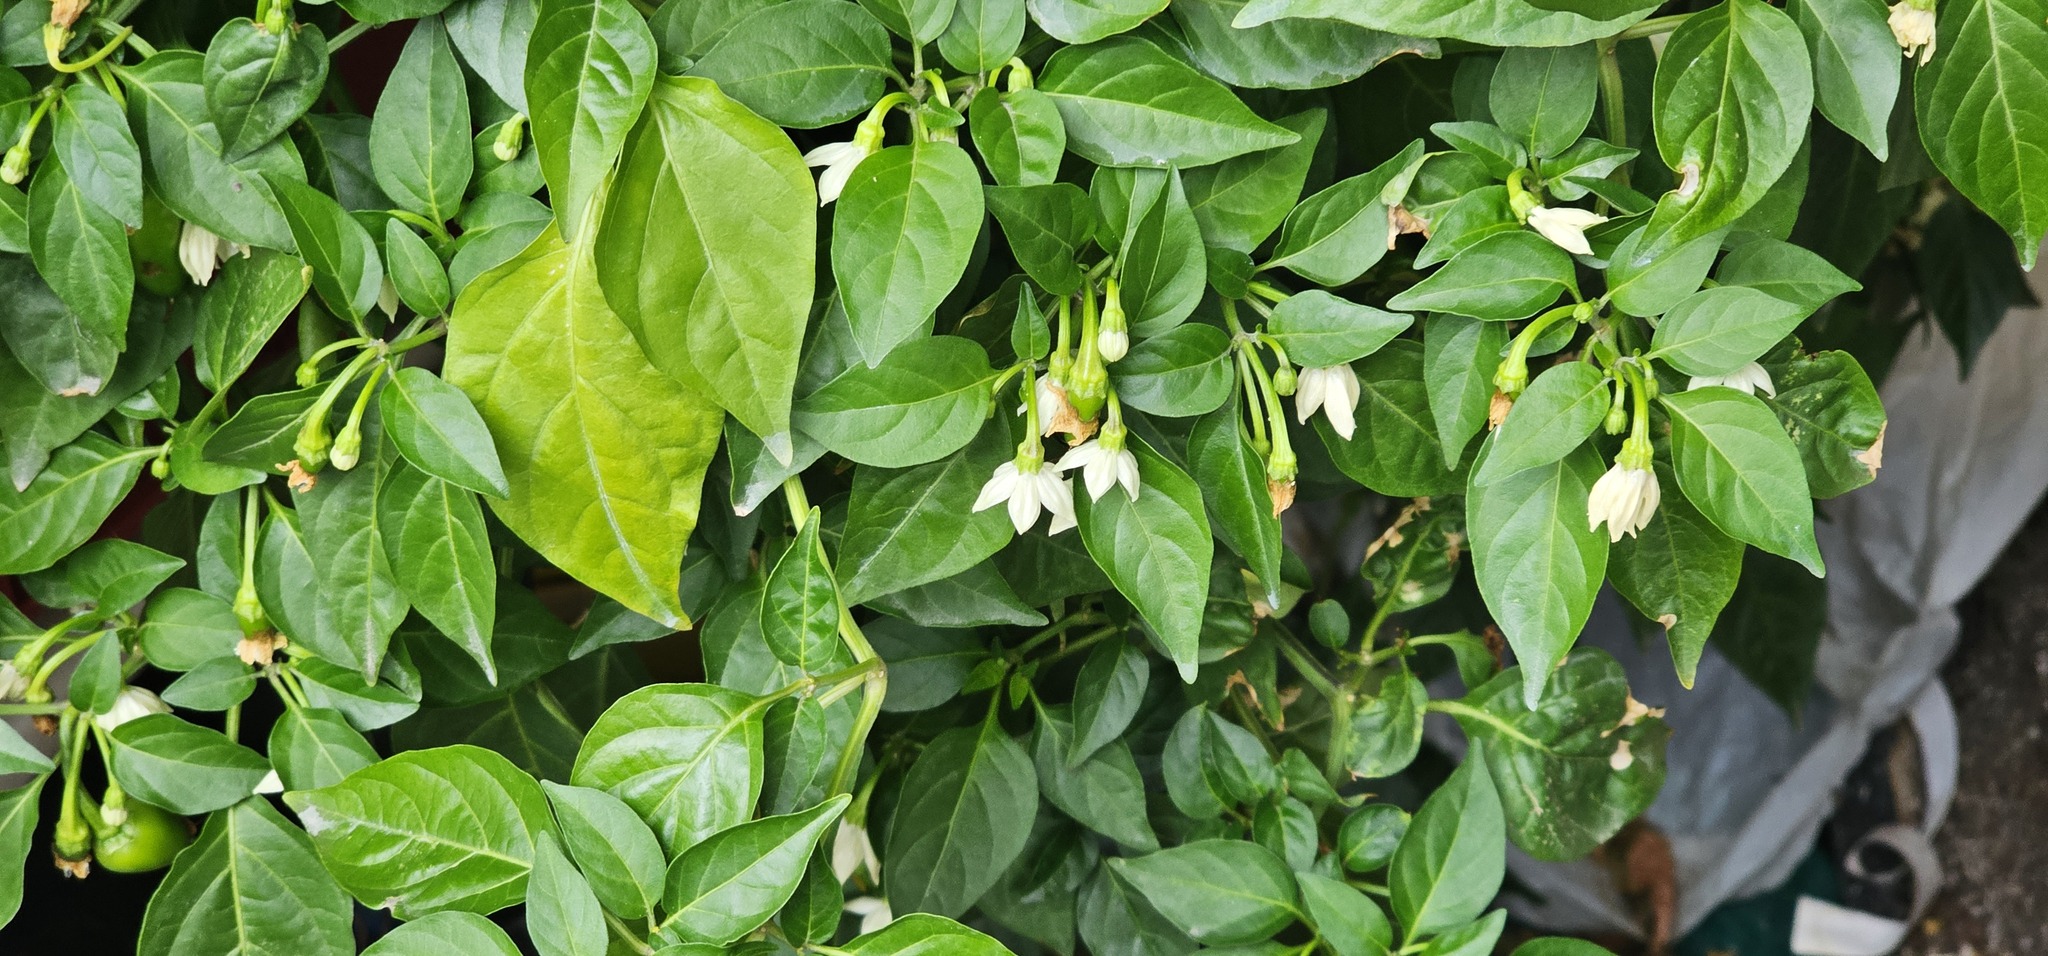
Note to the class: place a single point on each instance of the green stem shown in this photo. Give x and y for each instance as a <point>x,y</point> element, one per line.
<point>411,342</point>
<point>54,48</point>
<point>1058,628</point>
<point>625,934</point>
<point>1652,27</point>
<point>1613,98</point>
<point>347,36</point>
<point>1458,708</point>
<point>1082,643</point>
<point>49,668</point>
<point>32,709</point>
<point>234,722</point>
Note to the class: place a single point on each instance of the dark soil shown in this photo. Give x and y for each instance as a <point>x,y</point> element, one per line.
<point>1994,846</point>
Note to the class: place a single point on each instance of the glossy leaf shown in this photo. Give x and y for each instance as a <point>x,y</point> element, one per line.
<point>90,139</point>
<point>314,747</point>
<point>1217,891</point>
<point>917,525</point>
<point>686,757</point>
<point>901,239</point>
<point>1156,550</point>
<point>1679,571</point>
<point>245,305</point>
<point>445,933</point>
<point>967,809</point>
<point>1449,864</point>
<point>80,250</point>
<point>1127,103</point>
<point>1978,117</point>
<point>730,884</point>
<point>250,883</point>
<point>1529,527</point>
<point>65,503</point>
<point>347,271</point>
<point>440,555</point>
<point>1504,277</point>
<point>589,70</point>
<point>183,767</point>
<point>562,913</point>
<point>926,400</point>
<point>1558,412</point>
<point>802,63</point>
<point>615,851</point>
<point>1739,467</point>
<point>258,83</point>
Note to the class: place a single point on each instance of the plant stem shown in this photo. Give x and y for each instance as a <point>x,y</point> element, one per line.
<point>1613,99</point>
<point>1652,27</point>
<point>1458,708</point>
<point>347,36</point>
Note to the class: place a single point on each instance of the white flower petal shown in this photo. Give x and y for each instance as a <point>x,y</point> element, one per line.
<point>1309,387</point>
<point>1127,473</point>
<point>1024,502</point>
<point>1565,226</point>
<point>998,488</point>
<point>198,252</point>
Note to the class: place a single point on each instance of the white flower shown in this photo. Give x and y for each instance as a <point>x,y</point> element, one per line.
<point>1103,467</point>
<point>1027,492</point>
<point>1624,498</point>
<point>1565,226</point>
<point>270,784</point>
<point>1749,379</point>
<point>839,159</point>
<point>851,849</point>
<point>1913,26</point>
<point>12,682</point>
<point>873,912</point>
<point>133,703</point>
<point>199,251</point>
<point>1334,389</point>
<point>1113,344</point>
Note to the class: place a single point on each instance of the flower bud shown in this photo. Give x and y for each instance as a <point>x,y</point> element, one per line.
<point>511,136</point>
<point>312,444</point>
<point>1617,420</point>
<point>14,168</point>
<point>1284,380</point>
<point>249,609</point>
<point>160,468</point>
<point>307,375</point>
<point>1114,344</point>
<point>1113,340</point>
<point>348,446</point>
<point>1512,376</point>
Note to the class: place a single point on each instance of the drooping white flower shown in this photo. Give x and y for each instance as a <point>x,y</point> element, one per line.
<point>1334,390</point>
<point>1913,26</point>
<point>1566,226</point>
<point>1028,492</point>
<point>133,703</point>
<point>873,912</point>
<point>839,159</point>
<point>1624,499</point>
<point>851,850</point>
<point>12,682</point>
<point>1749,379</point>
<point>1103,467</point>
<point>200,252</point>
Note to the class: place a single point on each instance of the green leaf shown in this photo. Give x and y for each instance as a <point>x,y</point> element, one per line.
<point>686,757</point>
<point>1232,476</point>
<point>1543,96</point>
<point>89,137</point>
<point>1156,550</point>
<point>18,811</point>
<point>437,933</point>
<point>1473,939</point>
<point>813,911</point>
<point>1716,331</point>
<point>258,83</point>
<point>1102,791</point>
<point>562,914</point>
<point>440,555</point>
<point>1979,115</point>
<point>616,852</point>
<point>983,34</point>
<point>730,884</point>
<point>1538,563</point>
<point>1217,891</point>
<point>1730,104</point>
<point>493,37</point>
<point>65,504</point>
<point>530,726</point>
<point>709,240</point>
<point>460,837</point>
<point>976,597</point>
<point>1786,272</point>
<point>81,250</point>
<point>1459,356</point>
<point>1501,278</point>
<point>1127,103</point>
<point>1019,134</point>
<point>1211,765</point>
<point>1348,922</point>
<point>1576,768</point>
<point>358,601</point>
<point>315,747</point>
<point>181,767</point>
<point>62,352</point>
<point>106,577</point>
<point>919,21</point>
<point>1559,946</point>
<point>901,239</point>
<point>247,303</point>
<point>1318,329</point>
<point>535,345</point>
<point>929,665</point>
<point>1241,200</point>
<point>347,272</point>
<point>1489,22</point>
<point>251,884</point>
<point>259,435</point>
<point>416,273</point>
<point>96,681</point>
<point>1386,730</point>
<point>214,684</point>
<point>1395,450</point>
<point>1334,236</point>
<point>1107,696</point>
<point>1558,412</point>
<point>1855,72</point>
<point>1182,372</point>
<point>1086,21</point>
<point>1736,463</point>
<point>17,755</point>
<point>184,628</point>
<point>1646,276</point>
<point>1494,147</point>
<point>390,11</point>
<point>395,696</point>
<point>1048,226</point>
<point>1159,261</point>
<point>1832,411</point>
<point>917,525</point>
<point>800,603</point>
<point>589,69</point>
<point>919,934</point>
<point>185,164</point>
<point>926,400</point>
<point>802,63</point>
<point>1367,838</point>
<point>1284,54</point>
<point>968,803</point>
<point>1450,863</point>
<point>439,431</point>
<point>1679,571</point>
<point>1114,920</point>
<point>1567,174</point>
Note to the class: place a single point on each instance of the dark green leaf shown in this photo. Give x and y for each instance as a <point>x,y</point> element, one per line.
<point>347,271</point>
<point>1539,565</point>
<point>802,63</point>
<point>249,884</point>
<point>1450,863</point>
<point>1216,891</point>
<point>1556,415</point>
<point>1157,551</point>
<point>926,400</point>
<point>967,808</point>
<point>258,83</point>
<point>1738,466</point>
<point>315,747</point>
<point>181,767</point>
<point>730,884</point>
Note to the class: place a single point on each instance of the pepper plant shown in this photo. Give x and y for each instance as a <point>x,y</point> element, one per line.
<point>990,497</point>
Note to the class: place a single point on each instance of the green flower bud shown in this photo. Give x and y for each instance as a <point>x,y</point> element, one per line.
<point>511,137</point>
<point>1284,380</point>
<point>14,168</point>
<point>348,446</point>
